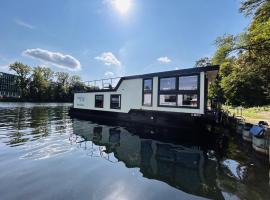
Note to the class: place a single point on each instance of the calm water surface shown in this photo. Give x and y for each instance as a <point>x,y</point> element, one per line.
<point>44,154</point>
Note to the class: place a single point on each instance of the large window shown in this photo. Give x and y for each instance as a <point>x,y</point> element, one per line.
<point>167,83</point>
<point>99,99</point>
<point>115,101</point>
<point>179,91</point>
<point>147,92</point>
<point>188,82</point>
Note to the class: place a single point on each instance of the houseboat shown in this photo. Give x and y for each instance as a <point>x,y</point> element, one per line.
<point>167,98</point>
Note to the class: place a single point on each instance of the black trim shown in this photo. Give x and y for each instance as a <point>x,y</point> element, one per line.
<point>118,95</point>
<point>181,72</point>
<point>147,92</point>
<point>155,118</point>
<point>205,93</point>
<point>101,95</point>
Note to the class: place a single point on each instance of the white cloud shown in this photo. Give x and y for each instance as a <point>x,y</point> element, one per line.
<point>55,58</point>
<point>164,59</point>
<point>109,74</point>
<point>24,24</point>
<point>4,68</point>
<point>108,58</point>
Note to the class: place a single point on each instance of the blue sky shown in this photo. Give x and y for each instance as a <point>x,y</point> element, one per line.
<point>102,38</point>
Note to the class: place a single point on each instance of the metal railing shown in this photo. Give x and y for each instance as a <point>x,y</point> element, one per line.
<point>108,83</point>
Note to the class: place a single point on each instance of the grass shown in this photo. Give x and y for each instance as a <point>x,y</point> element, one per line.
<point>251,115</point>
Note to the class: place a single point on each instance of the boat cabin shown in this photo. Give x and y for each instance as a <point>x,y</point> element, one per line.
<point>172,92</point>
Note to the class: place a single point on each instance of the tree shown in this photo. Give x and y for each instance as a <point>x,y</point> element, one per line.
<point>62,78</point>
<point>249,6</point>
<point>62,86</point>
<point>203,62</point>
<point>244,59</point>
<point>75,80</point>
<point>22,71</point>
<point>40,84</point>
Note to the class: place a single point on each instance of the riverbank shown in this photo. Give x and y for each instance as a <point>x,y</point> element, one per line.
<point>252,114</point>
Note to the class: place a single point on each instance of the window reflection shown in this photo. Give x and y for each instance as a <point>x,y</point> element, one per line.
<point>187,100</point>
<point>99,101</point>
<point>147,92</point>
<point>147,85</point>
<point>168,83</point>
<point>115,101</point>
<point>167,100</point>
<point>188,82</point>
<point>147,99</point>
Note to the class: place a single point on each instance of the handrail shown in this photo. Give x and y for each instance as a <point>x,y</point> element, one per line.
<point>108,83</point>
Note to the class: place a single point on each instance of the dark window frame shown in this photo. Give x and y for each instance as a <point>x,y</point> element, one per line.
<point>179,92</point>
<point>147,92</point>
<point>101,95</point>
<point>120,99</point>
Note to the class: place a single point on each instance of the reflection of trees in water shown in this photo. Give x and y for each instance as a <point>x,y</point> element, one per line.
<point>16,123</point>
<point>32,123</point>
<point>39,122</point>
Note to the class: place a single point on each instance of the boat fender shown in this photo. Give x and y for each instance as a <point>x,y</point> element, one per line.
<point>257,131</point>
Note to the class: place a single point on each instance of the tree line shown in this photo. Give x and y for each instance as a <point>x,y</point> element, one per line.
<point>41,84</point>
<point>244,59</point>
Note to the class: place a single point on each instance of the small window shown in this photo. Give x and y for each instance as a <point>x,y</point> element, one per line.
<point>167,100</point>
<point>99,99</point>
<point>147,92</point>
<point>147,85</point>
<point>147,99</point>
<point>188,82</point>
<point>167,83</point>
<point>115,101</point>
<point>190,100</point>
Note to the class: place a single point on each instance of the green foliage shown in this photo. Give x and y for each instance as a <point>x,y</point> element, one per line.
<point>38,84</point>
<point>23,72</point>
<point>224,45</point>
<point>244,60</point>
<point>248,6</point>
<point>203,62</point>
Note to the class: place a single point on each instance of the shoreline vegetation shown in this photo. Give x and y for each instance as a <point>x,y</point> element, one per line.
<point>252,114</point>
<point>41,84</point>
<point>244,59</point>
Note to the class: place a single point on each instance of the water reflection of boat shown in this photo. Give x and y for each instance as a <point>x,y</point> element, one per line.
<point>180,166</point>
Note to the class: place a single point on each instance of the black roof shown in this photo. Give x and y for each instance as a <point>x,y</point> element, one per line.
<point>175,72</point>
<point>193,70</point>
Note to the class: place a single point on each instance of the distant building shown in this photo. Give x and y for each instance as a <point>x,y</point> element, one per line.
<point>8,86</point>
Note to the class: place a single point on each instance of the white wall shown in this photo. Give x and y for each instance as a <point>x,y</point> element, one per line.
<point>131,98</point>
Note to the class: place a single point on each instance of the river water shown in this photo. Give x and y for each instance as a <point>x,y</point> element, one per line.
<point>44,154</point>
